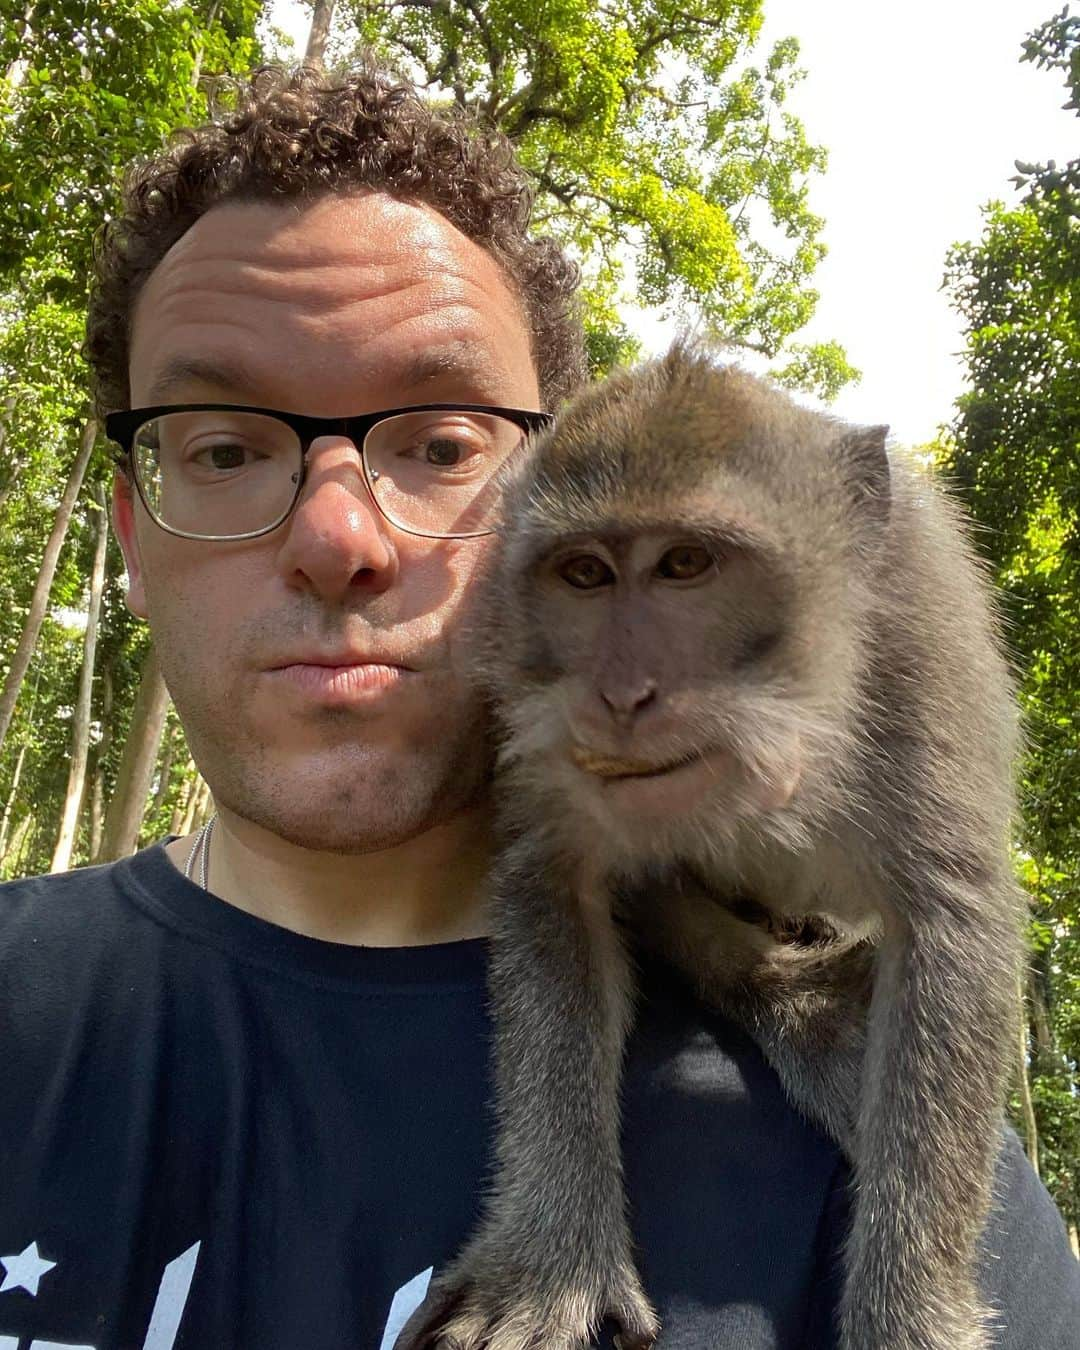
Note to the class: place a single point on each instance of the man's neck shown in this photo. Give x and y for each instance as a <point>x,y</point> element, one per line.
<point>426,890</point>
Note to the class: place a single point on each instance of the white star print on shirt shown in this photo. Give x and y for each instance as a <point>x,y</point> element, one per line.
<point>24,1271</point>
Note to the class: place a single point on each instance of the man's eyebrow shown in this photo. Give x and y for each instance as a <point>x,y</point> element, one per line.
<point>468,360</point>
<point>180,372</point>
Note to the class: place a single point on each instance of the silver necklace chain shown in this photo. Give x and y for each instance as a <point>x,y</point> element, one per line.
<point>200,850</point>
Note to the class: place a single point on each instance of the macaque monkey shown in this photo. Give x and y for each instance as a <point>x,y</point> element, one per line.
<point>755,718</point>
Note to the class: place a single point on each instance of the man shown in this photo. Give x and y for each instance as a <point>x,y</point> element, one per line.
<point>245,1093</point>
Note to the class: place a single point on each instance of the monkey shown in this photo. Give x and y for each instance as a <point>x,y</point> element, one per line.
<point>754,716</point>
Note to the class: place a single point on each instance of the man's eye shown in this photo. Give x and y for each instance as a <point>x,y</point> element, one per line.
<point>444,452</point>
<point>224,455</point>
<point>586,572</point>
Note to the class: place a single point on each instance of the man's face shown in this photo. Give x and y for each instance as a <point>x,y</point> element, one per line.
<point>346,306</point>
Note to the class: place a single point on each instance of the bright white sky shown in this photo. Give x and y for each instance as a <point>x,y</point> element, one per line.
<point>923,108</point>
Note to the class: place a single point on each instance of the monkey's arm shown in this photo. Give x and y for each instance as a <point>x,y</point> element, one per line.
<point>807,1012</point>
<point>804,1003</point>
<point>552,1256</point>
<point>909,1084</point>
<point>938,1044</point>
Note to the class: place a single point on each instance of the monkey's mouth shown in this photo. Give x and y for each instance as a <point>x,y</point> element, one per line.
<point>604,766</point>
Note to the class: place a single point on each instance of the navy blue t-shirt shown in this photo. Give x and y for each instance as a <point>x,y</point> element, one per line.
<point>219,1135</point>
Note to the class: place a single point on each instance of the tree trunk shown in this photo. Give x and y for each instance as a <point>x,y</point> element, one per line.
<point>16,71</point>
<point>196,73</point>
<point>101,754</point>
<point>80,722</point>
<point>319,32</point>
<point>1031,1129</point>
<point>205,808</point>
<point>185,798</point>
<point>20,763</point>
<point>164,771</point>
<point>1046,1054</point>
<point>39,601</point>
<point>195,800</point>
<point>125,813</point>
<point>15,469</point>
<point>9,805</point>
<point>18,844</point>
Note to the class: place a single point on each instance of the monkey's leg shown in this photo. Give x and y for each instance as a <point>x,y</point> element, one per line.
<point>928,1130</point>
<point>553,1256</point>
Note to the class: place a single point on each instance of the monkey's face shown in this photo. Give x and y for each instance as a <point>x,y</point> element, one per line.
<point>652,656</point>
<point>680,613</point>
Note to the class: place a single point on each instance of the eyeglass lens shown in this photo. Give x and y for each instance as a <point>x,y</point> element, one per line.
<point>220,474</point>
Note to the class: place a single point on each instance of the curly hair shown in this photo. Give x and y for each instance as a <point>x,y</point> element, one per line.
<point>301,135</point>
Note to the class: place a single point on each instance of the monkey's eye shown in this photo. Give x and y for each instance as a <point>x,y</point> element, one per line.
<point>586,572</point>
<point>684,562</point>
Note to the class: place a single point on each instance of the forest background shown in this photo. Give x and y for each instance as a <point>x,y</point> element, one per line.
<point>667,158</point>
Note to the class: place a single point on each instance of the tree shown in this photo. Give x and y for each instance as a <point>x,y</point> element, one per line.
<point>650,136</point>
<point>100,85</point>
<point>136,770</point>
<point>84,88</point>
<point>1016,457</point>
<point>321,18</point>
<point>80,722</point>
<point>20,662</point>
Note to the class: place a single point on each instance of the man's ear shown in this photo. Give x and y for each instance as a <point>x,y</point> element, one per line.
<point>123,513</point>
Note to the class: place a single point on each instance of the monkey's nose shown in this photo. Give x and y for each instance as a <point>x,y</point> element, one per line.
<point>627,701</point>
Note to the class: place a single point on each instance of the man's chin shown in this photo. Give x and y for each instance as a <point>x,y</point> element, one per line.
<point>347,840</point>
<point>358,814</point>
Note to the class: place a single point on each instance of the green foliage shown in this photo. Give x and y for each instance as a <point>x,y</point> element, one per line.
<point>649,136</point>
<point>608,342</point>
<point>92,84</point>
<point>84,88</point>
<point>43,378</point>
<point>823,367</point>
<point>1016,457</point>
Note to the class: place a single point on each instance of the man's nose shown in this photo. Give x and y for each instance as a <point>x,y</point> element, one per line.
<point>336,539</point>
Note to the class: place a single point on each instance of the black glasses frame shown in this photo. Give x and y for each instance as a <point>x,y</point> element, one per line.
<point>121,427</point>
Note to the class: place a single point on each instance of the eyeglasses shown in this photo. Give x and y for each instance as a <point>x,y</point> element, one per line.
<point>222,471</point>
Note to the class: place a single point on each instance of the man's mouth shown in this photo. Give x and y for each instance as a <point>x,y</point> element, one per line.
<point>340,659</point>
<point>340,684</point>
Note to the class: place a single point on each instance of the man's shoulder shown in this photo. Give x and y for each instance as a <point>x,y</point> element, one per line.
<point>57,904</point>
<point>73,884</point>
<point>66,935</point>
<point>77,905</point>
<point>729,1186</point>
<point>714,1148</point>
<point>1030,1276</point>
<point>688,1053</point>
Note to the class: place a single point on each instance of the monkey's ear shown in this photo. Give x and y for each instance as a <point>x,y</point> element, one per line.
<point>863,452</point>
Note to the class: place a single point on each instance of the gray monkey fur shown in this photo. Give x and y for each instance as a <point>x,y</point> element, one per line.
<point>845,893</point>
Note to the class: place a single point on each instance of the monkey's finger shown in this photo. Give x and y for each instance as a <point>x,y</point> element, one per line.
<point>638,1328</point>
<point>427,1328</point>
<point>634,1340</point>
<point>471,1329</point>
<point>520,1332</point>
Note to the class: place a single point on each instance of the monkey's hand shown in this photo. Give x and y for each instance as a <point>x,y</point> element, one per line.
<point>489,1303</point>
